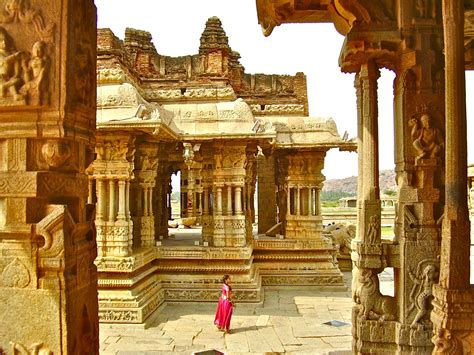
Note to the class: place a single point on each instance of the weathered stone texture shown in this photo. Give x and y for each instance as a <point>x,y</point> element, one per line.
<point>48,282</point>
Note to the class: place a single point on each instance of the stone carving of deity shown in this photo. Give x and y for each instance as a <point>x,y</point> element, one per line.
<point>422,293</point>
<point>35,87</point>
<point>10,68</point>
<point>373,230</point>
<point>427,140</point>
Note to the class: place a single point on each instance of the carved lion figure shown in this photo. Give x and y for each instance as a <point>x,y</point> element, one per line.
<point>373,305</point>
<point>446,343</point>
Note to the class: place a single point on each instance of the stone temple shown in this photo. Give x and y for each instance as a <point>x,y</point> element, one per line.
<point>92,128</point>
<point>222,129</point>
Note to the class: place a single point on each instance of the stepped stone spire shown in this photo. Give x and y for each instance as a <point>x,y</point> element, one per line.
<point>214,36</point>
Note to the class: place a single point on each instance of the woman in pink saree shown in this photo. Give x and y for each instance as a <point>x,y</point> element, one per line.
<point>225,307</point>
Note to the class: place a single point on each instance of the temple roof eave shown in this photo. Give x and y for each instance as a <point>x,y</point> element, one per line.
<point>159,130</point>
<point>343,146</point>
<point>226,136</point>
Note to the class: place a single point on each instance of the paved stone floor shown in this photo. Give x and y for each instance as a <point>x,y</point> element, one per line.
<point>288,321</point>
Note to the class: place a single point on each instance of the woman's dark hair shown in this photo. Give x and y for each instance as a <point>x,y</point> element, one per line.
<point>226,277</point>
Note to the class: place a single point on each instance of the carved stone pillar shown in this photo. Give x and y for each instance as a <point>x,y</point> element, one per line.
<point>267,202</point>
<point>303,175</point>
<point>113,169</point>
<point>47,128</point>
<point>207,220</point>
<point>249,190</point>
<point>160,198</point>
<point>230,164</point>
<point>454,298</point>
<point>369,195</point>
<point>146,168</point>
<point>188,155</point>
<point>184,191</point>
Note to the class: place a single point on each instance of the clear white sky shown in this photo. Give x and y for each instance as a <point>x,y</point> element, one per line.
<point>176,26</point>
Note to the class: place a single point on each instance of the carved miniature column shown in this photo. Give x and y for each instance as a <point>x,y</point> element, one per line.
<point>145,201</point>
<point>90,196</point>
<point>288,200</point>
<point>47,128</point>
<point>121,200</point>
<point>219,200</point>
<point>100,192</point>
<point>317,202</point>
<point>201,206</point>
<point>205,202</point>
<point>297,200</point>
<point>229,200</point>
<point>111,200</point>
<point>127,197</point>
<point>238,200</point>
<point>454,298</point>
<point>309,210</point>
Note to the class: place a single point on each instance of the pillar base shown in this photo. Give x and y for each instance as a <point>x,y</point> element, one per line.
<point>453,320</point>
<point>129,289</point>
<point>388,337</point>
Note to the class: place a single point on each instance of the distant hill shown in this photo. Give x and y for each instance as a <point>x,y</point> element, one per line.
<point>348,186</point>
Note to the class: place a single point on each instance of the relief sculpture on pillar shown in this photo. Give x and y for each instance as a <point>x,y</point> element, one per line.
<point>35,76</point>
<point>24,73</point>
<point>422,292</point>
<point>23,76</point>
<point>373,231</point>
<point>427,140</point>
<point>21,11</point>
<point>10,70</point>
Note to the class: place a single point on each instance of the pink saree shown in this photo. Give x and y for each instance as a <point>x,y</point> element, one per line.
<point>224,309</point>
